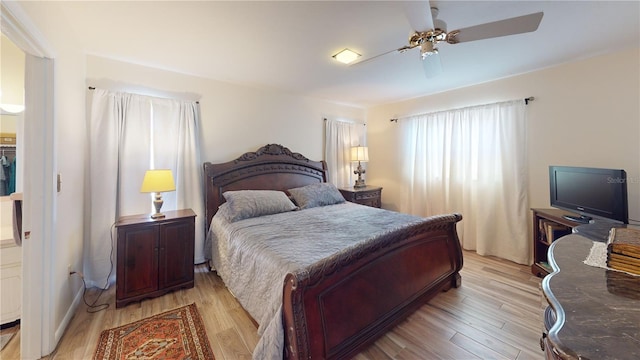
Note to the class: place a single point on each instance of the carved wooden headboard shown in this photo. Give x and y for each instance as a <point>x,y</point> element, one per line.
<point>272,167</point>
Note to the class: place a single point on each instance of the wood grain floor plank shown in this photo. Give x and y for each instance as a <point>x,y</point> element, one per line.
<point>496,313</point>
<point>387,346</point>
<point>466,313</point>
<point>245,327</point>
<point>480,350</point>
<point>411,354</point>
<point>474,296</point>
<point>234,348</point>
<point>480,336</point>
<point>375,353</point>
<point>431,342</point>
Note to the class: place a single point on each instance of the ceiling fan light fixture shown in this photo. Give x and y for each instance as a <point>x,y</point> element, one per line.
<point>427,49</point>
<point>346,56</point>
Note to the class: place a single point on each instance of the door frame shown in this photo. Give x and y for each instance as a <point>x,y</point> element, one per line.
<point>37,325</point>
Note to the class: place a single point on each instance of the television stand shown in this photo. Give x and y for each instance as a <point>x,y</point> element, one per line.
<point>551,224</point>
<point>579,219</point>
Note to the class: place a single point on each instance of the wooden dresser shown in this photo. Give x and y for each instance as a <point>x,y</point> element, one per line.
<point>368,195</point>
<point>154,256</point>
<point>593,313</point>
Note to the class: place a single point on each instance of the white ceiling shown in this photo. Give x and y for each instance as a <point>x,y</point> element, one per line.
<point>288,45</point>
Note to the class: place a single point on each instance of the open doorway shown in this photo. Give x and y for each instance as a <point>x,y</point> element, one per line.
<point>12,68</point>
<point>37,336</point>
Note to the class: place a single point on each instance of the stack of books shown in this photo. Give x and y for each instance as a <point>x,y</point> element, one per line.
<point>623,250</point>
<point>551,231</point>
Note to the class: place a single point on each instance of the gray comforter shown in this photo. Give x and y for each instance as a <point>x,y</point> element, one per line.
<point>253,256</point>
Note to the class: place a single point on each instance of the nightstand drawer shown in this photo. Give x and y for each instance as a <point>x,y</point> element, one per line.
<point>368,195</point>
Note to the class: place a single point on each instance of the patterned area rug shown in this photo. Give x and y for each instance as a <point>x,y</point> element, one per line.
<point>175,334</point>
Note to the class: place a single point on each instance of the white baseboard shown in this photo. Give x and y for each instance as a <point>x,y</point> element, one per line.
<point>68,316</point>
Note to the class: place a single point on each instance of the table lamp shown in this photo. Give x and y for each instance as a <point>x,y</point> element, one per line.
<point>359,153</point>
<point>158,181</point>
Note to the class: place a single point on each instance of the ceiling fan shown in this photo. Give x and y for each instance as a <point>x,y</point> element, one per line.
<point>429,30</point>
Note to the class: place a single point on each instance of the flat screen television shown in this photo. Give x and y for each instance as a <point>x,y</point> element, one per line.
<point>589,192</point>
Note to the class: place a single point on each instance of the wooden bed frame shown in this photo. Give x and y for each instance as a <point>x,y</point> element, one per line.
<point>336,308</point>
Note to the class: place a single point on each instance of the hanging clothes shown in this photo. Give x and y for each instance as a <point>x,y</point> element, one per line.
<point>4,175</point>
<point>11,182</point>
<point>7,170</point>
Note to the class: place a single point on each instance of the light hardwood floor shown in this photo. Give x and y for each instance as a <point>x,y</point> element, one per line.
<point>495,314</point>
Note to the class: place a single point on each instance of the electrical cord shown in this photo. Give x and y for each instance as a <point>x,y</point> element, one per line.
<point>93,308</point>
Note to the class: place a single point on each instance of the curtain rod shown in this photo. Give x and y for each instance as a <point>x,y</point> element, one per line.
<point>526,102</point>
<point>93,88</point>
<point>353,122</point>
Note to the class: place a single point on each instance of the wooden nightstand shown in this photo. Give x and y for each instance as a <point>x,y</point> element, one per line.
<point>154,256</point>
<point>368,195</point>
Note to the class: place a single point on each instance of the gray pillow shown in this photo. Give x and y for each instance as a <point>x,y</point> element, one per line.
<point>245,204</point>
<point>319,194</point>
<point>224,212</point>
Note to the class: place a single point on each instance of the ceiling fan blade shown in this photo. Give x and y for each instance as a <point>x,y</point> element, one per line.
<point>379,55</point>
<point>432,66</point>
<point>516,25</point>
<point>420,18</point>
<point>419,15</point>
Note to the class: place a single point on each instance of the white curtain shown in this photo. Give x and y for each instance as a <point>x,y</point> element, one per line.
<point>472,161</point>
<point>340,136</point>
<point>129,134</point>
<point>177,147</point>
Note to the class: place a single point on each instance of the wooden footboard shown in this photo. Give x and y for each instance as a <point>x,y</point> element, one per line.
<point>336,308</point>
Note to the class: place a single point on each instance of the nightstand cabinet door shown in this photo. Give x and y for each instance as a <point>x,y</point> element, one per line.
<point>137,261</point>
<point>154,256</point>
<point>176,253</point>
<point>368,195</point>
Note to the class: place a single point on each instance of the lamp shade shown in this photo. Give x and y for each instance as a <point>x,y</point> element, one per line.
<point>359,153</point>
<point>159,180</point>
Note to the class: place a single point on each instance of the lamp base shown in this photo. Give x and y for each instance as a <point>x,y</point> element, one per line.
<point>359,184</point>
<point>360,181</point>
<point>157,203</point>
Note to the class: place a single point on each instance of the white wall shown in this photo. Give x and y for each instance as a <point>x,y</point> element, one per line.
<point>585,113</point>
<point>69,143</point>
<point>235,119</point>
<point>12,69</point>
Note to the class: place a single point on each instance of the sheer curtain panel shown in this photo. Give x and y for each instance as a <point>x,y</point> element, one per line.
<point>129,134</point>
<point>106,126</point>
<point>176,146</point>
<point>472,161</point>
<point>340,136</point>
